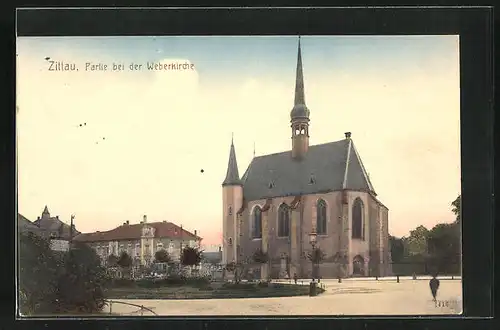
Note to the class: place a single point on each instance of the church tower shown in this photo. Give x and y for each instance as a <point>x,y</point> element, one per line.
<point>232,200</point>
<point>300,114</point>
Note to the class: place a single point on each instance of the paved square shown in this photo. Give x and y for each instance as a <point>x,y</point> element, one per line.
<point>352,297</point>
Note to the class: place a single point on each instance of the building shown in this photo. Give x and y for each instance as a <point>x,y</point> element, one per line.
<point>284,197</point>
<point>52,228</point>
<point>141,240</point>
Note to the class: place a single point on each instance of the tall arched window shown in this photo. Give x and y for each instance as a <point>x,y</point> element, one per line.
<point>283,221</point>
<point>257,222</point>
<point>321,217</point>
<point>357,219</point>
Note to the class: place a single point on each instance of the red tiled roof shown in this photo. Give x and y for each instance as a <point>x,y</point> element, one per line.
<point>134,231</point>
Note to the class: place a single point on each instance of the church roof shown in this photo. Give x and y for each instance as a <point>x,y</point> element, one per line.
<point>325,167</point>
<point>232,175</point>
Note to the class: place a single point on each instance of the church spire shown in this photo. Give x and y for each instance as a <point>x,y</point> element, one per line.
<point>299,80</point>
<point>45,213</point>
<point>300,110</point>
<point>232,175</point>
<point>300,113</point>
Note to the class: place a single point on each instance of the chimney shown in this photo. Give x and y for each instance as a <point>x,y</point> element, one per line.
<point>38,218</point>
<point>57,217</point>
<point>220,248</point>
<point>127,222</point>
<point>347,135</point>
<point>145,218</point>
<point>195,233</point>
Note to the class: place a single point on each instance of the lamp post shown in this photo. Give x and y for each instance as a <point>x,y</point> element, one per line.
<point>312,285</point>
<point>312,241</point>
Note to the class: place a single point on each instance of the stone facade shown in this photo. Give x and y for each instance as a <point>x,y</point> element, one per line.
<point>296,247</point>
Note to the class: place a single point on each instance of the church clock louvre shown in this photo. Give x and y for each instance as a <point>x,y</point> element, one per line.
<point>329,175</point>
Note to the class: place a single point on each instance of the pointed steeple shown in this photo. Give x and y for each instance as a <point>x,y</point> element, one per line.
<point>300,109</point>
<point>232,175</point>
<point>299,80</point>
<point>45,213</point>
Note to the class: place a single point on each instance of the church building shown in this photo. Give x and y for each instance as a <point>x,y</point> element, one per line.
<point>311,197</point>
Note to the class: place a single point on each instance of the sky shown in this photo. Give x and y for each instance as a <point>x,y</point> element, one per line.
<point>146,135</point>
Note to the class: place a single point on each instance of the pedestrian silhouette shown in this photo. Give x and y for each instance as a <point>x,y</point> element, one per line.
<point>434,285</point>
<point>295,277</point>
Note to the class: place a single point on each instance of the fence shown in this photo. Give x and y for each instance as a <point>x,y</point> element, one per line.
<point>141,307</point>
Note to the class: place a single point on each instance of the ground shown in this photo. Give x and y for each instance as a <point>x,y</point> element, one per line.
<point>351,297</point>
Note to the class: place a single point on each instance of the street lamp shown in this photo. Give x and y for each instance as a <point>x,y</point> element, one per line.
<point>312,241</point>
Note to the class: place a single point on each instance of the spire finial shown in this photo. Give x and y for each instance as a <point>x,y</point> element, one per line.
<point>232,137</point>
<point>254,148</point>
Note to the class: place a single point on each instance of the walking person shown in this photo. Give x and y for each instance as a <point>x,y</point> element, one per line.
<point>295,277</point>
<point>434,285</point>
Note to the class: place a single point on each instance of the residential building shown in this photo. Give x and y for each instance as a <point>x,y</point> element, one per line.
<point>141,240</point>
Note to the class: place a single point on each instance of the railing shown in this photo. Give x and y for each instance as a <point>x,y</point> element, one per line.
<point>141,307</point>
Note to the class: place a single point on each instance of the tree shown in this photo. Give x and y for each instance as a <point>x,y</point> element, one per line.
<point>124,261</point>
<point>416,243</point>
<point>38,272</point>
<point>80,284</point>
<point>112,260</point>
<point>444,247</point>
<point>457,208</point>
<point>191,256</point>
<point>397,247</point>
<point>162,256</point>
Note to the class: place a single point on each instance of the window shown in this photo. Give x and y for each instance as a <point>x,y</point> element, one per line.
<point>257,222</point>
<point>230,210</point>
<point>357,219</point>
<point>321,217</point>
<point>230,241</point>
<point>283,221</point>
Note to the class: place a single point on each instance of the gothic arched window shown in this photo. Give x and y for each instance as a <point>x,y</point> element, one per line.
<point>283,221</point>
<point>321,217</point>
<point>257,223</point>
<point>357,219</point>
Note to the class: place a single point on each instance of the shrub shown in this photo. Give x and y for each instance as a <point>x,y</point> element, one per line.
<point>80,286</point>
<point>191,256</point>
<point>37,275</point>
<point>162,256</point>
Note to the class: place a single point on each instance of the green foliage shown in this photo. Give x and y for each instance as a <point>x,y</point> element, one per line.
<point>58,282</point>
<point>112,260</point>
<point>162,256</point>
<point>125,260</point>
<point>260,257</point>
<point>38,271</point>
<point>191,256</point>
<point>80,286</point>
<point>457,208</point>
<point>416,243</point>
<point>442,252</point>
<point>397,249</point>
<point>197,282</point>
